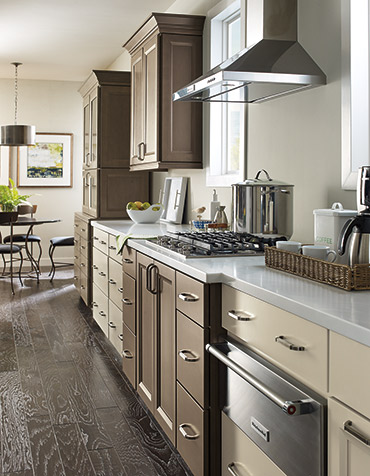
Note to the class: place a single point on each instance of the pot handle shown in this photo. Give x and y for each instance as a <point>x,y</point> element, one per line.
<point>266,173</point>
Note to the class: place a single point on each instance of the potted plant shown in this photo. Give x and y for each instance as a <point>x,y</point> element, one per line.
<point>10,197</point>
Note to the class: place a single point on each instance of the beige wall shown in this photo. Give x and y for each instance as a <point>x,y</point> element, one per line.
<point>52,106</point>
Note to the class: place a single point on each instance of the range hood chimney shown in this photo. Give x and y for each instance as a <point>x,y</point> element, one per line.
<point>273,63</point>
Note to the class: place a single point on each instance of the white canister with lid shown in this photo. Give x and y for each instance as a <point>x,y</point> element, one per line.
<point>328,223</point>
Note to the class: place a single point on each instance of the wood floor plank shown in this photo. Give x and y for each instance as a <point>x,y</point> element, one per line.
<point>34,397</point>
<point>57,345</point>
<point>44,447</point>
<point>16,452</point>
<point>8,357</point>
<point>73,453</point>
<point>22,336</point>
<point>129,450</point>
<point>106,463</point>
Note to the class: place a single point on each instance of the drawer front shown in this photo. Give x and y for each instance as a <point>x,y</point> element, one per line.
<point>84,287</point>
<point>128,303</point>
<point>100,309</point>
<point>84,230</point>
<point>115,326</point>
<point>115,282</point>
<point>190,297</point>
<point>112,249</point>
<point>269,330</point>
<point>77,279</point>
<point>129,355</point>
<point>100,240</point>
<point>77,225</point>
<point>100,270</point>
<point>84,264</point>
<point>129,261</point>
<point>349,380</point>
<point>241,455</point>
<point>84,246</point>
<point>191,426</point>
<point>190,356</point>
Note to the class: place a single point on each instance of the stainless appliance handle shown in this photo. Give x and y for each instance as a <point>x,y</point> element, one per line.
<point>284,341</point>
<point>296,407</point>
<point>240,315</point>
<point>348,428</point>
<point>185,434</point>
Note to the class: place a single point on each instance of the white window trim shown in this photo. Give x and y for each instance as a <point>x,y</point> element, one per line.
<point>223,10</point>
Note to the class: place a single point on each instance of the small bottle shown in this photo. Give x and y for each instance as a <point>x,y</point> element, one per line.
<point>214,205</point>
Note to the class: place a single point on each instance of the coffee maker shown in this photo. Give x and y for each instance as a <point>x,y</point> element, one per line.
<point>355,235</point>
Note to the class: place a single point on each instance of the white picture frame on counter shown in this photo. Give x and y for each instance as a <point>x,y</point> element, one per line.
<point>173,199</point>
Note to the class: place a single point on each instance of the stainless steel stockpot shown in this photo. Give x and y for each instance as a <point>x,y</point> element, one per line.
<point>263,207</point>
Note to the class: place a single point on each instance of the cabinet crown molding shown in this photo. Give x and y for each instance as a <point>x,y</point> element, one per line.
<point>105,78</point>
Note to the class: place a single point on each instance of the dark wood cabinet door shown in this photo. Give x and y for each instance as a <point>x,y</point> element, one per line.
<point>145,305</point>
<point>137,108</point>
<point>165,358</point>
<point>86,131</point>
<point>94,139</point>
<point>150,59</point>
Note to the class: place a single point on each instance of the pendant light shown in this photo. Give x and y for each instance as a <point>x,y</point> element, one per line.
<point>13,135</point>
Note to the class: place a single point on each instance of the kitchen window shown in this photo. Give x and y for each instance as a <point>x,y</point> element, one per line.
<point>226,145</point>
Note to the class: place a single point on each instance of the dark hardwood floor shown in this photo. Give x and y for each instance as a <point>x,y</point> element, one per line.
<point>66,409</point>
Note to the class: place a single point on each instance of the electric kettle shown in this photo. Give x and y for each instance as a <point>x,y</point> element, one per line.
<point>355,234</point>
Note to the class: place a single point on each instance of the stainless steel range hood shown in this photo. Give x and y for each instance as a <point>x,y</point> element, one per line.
<point>272,65</point>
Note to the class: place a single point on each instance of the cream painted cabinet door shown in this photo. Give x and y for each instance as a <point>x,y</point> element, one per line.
<point>349,441</point>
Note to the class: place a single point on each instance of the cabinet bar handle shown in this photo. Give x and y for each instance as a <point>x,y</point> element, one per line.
<point>120,290</point>
<point>102,242</point>
<point>82,287</point>
<point>120,337</point>
<point>111,324</point>
<point>283,341</point>
<point>231,469</point>
<point>95,238</point>
<point>138,150</point>
<point>240,315</point>
<point>193,357</point>
<point>112,247</point>
<point>348,428</point>
<point>188,297</point>
<point>94,304</point>
<point>127,302</point>
<point>187,435</point>
<point>127,261</point>
<point>95,267</point>
<point>82,265</point>
<point>102,313</point>
<point>112,281</point>
<point>83,229</point>
<point>127,354</point>
<point>102,273</point>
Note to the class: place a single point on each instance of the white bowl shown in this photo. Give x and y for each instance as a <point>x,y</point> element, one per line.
<point>146,216</point>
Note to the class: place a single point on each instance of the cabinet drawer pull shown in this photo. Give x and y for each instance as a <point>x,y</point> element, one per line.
<point>94,304</point>
<point>82,265</point>
<point>120,337</point>
<point>112,247</point>
<point>83,229</point>
<point>231,469</point>
<point>283,341</point>
<point>83,247</point>
<point>127,354</point>
<point>187,435</point>
<point>120,290</point>
<point>192,358</point>
<point>102,313</point>
<point>95,267</point>
<point>102,242</point>
<point>75,278</point>
<point>102,273</point>
<point>240,315</point>
<point>127,261</point>
<point>95,238</point>
<point>82,287</point>
<point>76,225</point>
<point>188,297</point>
<point>111,324</point>
<point>112,281</point>
<point>127,302</point>
<point>348,428</point>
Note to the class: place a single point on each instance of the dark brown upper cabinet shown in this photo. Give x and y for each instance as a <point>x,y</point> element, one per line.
<point>106,105</point>
<point>166,54</point>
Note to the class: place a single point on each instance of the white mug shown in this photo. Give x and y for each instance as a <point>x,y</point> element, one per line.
<point>293,246</point>
<point>320,252</point>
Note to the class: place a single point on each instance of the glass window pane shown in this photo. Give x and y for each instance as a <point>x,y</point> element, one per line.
<point>234,37</point>
<point>234,120</point>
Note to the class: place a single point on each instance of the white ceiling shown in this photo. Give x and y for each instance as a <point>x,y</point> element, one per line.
<point>66,39</point>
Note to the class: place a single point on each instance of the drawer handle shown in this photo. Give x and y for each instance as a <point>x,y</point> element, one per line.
<point>231,469</point>
<point>120,290</point>
<point>102,273</point>
<point>283,341</point>
<point>188,297</point>
<point>102,242</point>
<point>83,229</point>
<point>95,267</point>
<point>76,225</point>
<point>127,354</point>
<point>112,281</point>
<point>187,435</point>
<point>102,313</point>
<point>82,265</point>
<point>240,315</point>
<point>348,428</point>
<point>111,324</point>
<point>82,287</point>
<point>127,302</point>
<point>95,238</point>
<point>127,261</point>
<point>192,358</point>
<point>120,337</point>
<point>75,278</point>
<point>83,247</point>
<point>112,247</point>
<point>94,304</point>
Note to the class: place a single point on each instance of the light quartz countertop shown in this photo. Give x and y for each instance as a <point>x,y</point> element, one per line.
<point>345,312</point>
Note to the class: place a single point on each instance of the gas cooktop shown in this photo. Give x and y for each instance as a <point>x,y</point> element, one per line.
<point>194,244</point>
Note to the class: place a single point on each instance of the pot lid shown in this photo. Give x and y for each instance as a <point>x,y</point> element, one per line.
<point>266,182</point>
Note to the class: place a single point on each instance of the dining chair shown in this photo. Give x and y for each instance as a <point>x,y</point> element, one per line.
<point>10,248</point>
<point>22,237</point>
<point>56,242</point>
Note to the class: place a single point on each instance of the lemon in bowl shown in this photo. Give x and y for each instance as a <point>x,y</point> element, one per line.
<point>146,213</point>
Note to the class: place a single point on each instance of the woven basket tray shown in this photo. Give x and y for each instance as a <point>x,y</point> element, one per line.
<point>339,275</point>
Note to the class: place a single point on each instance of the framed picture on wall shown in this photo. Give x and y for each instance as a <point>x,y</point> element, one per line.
<point>48,163</point>
<point>4,165</point>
